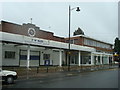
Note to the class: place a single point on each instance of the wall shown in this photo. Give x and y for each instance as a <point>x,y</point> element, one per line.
<point>23,30</point>
<point>79,41</point>
<point>54,56</point>
<point>35,52</point>
<point>99,46</point>
<point>45,51</point>
<point>10,62</point>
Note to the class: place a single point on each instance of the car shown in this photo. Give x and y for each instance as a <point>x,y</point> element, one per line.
<point>8,76</point>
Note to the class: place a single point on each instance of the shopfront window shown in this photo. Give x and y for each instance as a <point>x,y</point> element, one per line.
<point>74,58</point>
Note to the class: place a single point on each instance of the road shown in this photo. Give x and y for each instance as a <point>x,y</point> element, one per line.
<point>95,79</point>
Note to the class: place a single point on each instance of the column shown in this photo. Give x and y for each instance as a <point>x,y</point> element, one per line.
<point>96,59</point>
<point>60,58</point>
<point>108,59</point>
<point>79,58</point>
<point>92,59</point>
<point>28,56</point>
<point>101,59</point>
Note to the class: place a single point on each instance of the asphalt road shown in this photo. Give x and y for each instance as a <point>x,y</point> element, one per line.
<point>96,79</point>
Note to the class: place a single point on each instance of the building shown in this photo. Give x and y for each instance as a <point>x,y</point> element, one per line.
<point>103,53</point>
<point>27,44</point>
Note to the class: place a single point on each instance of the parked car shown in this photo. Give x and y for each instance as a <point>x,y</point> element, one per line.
<point>8,76</point>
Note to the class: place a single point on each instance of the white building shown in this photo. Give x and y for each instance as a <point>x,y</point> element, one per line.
<point>28,45</point>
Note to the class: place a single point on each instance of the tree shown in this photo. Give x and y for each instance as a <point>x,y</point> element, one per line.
<point>117,49</point>
<point>117,45</point>
<point>78,32</point>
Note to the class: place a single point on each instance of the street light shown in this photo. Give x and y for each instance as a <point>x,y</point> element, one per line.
<point>70,9</point>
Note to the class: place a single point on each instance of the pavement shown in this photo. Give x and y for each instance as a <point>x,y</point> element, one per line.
<point>64,73</point>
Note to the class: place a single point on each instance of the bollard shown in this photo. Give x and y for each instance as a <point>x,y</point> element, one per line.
<point>37,69</point>
<point>47,69</point>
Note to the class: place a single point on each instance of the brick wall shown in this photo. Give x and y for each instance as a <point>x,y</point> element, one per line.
<point>23,30</point>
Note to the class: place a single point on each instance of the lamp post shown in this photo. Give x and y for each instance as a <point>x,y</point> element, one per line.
<point>70,9</point>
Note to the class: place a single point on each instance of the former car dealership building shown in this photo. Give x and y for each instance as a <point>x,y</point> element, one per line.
<point>20,41</point>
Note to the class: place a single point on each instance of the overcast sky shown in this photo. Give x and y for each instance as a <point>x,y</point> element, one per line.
<point>98,20</point>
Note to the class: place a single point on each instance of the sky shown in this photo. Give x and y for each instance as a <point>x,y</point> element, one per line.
<point>98,20</point>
